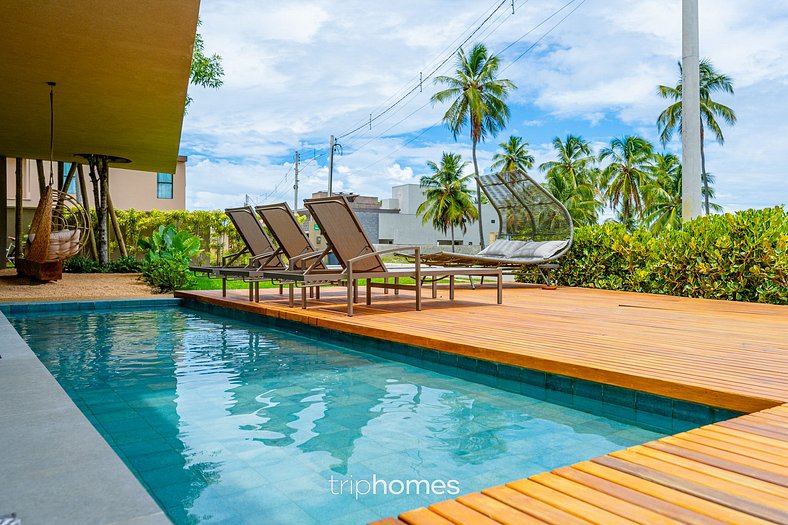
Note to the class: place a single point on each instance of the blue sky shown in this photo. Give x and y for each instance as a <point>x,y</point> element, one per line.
<point>298,71</point>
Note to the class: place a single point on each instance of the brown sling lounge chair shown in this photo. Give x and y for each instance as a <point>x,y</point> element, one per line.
<point>359,260</point>
<point>256,244</point>
<point>286,230</point>
<point>535,227</point>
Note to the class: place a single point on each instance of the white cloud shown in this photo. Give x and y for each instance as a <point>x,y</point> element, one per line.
<point>299,71</point>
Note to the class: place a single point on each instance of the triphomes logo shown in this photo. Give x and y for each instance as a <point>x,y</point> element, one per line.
<point>362,487</point>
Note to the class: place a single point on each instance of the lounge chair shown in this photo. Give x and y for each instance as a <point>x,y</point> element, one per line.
<point>262,253</point>
<point>535,229</point>
<point>359,259</point>
<point>286,230</point>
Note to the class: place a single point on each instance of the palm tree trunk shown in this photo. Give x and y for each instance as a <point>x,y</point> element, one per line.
<point>478,196</point>
<point>703,176</point>
<point>452,238</point>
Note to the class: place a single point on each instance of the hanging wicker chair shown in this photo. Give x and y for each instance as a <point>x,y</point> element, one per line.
<point>59,229</point>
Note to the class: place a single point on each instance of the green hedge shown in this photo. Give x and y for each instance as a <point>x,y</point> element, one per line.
<point>741,257</point>
<point>214,229</point>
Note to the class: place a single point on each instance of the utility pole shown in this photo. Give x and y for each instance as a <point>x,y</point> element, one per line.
<point>330,165</point>
<point>690,112</point>
<point>295,186</point>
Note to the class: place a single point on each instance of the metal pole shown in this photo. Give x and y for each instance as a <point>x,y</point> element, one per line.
<point>330,165</point>
<point>18,210</point>
<point>295,186</point>
<point>690,112</point>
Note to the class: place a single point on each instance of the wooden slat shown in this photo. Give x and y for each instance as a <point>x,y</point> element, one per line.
<point>660,498</point>
<point>534,507</point>
<point>460,514</point>
<point>497,510</point>
<point>423,516</point>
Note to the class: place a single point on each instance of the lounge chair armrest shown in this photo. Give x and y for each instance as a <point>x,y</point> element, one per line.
<point>382,252</point>
<point>306,256</point>
<point>261,256</point>
<point>233,256</point>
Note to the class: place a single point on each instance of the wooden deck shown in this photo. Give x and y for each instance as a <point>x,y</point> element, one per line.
<point>730,355</point>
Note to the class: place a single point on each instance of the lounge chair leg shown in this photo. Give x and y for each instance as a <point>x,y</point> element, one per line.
<point>317,292</point>
<point>350,288</point>
<point>451,287</point>
<point>257,292</point>
<point>385,288</point>
<point>303,297</point>
<point>500,288</point>
<point>281,291</point>
<point>251,292</point>
<point>291,292</point>
<point>369,292</point>
<point>311,292</point>
<point>470,278</point>
<point>434,288</point>
<point>355,291</point>
<point>481,281</point>
<point>396,283</point>
<point>224,287</point>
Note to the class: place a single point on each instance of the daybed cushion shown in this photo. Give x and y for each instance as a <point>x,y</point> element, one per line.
<point>501,248</point>
<point>539,249</point>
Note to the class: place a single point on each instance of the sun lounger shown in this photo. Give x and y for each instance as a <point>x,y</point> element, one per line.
<point>359,260</point>
<point>262,253</point>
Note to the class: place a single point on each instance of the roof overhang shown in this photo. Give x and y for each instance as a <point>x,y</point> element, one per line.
<point>121,68</point>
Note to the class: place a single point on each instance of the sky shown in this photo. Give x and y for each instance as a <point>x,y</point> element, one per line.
<point>297,72</point>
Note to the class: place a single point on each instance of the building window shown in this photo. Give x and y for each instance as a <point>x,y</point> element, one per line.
<point>492,221</point>
<point>164,185</point>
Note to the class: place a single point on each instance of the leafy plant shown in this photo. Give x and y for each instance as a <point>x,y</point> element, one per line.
<point>79,264</point>
<point>126,264</point>
<point>166,263</point>
<point>738,257</point>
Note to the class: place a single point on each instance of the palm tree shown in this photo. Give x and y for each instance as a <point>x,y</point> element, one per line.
<point>663,195</point>
<point>513,156</point>
<point>669,121</point>
<point>573,180</point>
<point>449,202</point>
<point>478,101</point>
<point>626,175</point>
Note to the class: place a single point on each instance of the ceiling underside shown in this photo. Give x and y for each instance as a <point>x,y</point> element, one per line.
<point>121,68</point>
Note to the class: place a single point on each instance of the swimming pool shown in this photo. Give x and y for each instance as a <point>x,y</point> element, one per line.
<point>225,421</point>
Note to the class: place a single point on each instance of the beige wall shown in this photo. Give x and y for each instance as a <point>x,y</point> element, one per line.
<point>129,189</point>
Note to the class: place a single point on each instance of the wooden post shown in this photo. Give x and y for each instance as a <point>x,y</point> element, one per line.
<point>116,227</point>
<point>83,189</point>
<point>42,178</point>
<point>18,210</point>
<point>3,210</point>
<point>103,240</point>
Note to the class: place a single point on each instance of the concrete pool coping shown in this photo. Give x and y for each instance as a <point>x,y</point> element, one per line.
<point>54,465</point>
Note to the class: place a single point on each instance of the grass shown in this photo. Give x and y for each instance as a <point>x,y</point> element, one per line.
<point>206,283</point>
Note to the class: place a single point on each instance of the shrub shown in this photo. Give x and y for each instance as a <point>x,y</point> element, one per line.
<point>126,264</point>
<point>166,263</point>
<point>741,257</point>
<point>79,264</point>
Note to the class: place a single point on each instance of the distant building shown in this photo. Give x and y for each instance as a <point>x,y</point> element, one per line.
<point>141,190</point>
<point>395,221</point>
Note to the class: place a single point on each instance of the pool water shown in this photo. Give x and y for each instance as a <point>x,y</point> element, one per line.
<point>229,422</point>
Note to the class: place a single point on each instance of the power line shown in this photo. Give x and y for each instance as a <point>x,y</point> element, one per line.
<point>427,77</point>
<point>495,6</point>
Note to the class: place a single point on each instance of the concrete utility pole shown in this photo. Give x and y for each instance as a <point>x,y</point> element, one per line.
<point>330,165</point>
<point>690,112</point>
<point>295,186</point>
